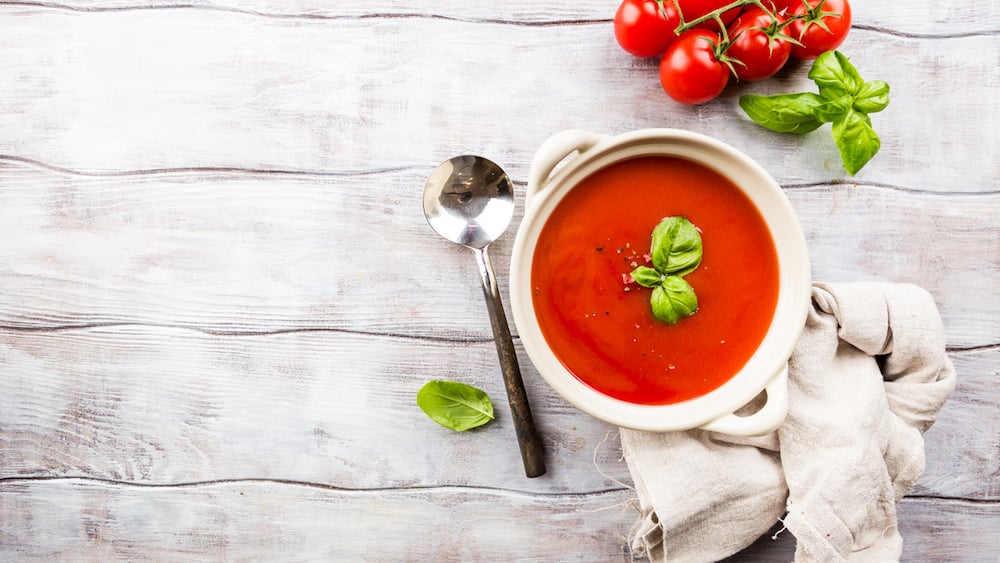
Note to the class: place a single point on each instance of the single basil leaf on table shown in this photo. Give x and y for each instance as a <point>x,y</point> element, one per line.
<point>673,300</point>
<point>873,97</point>
<point>646,276</point>
<point>676,246</point>
<point>835,75</point>
<point>856,140</point>
<point>455,405</point>
<point>784,113</point>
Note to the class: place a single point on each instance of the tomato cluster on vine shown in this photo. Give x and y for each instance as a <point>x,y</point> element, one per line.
<point>705,43</point>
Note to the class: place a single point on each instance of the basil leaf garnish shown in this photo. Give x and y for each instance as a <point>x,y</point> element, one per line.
<point>784,113</point>
<point>676,247</point>
<point>675,251</point>
<point>646,276</point>
<point>455,405</point>
<point>856,140</point>
<point>673,300</point>
<point>844,99</point>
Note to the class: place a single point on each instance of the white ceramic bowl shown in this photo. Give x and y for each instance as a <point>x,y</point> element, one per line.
<point>581,154</point>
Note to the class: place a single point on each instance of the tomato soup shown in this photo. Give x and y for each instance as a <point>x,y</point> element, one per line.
<point>598,322</point>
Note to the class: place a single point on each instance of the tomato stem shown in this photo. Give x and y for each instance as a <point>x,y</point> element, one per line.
<point>815,16</point>
<point>714,14</point>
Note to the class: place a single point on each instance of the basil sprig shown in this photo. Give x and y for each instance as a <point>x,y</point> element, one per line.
<point>455,405</point>
<point>675,251</point>
<point>845,99</point>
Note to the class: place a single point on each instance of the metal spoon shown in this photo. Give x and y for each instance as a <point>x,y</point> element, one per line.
<point>469,200</point>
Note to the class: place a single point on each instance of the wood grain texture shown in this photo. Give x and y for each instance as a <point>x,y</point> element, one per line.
<point>168,406</point>
<point>385,92</point>
<point>974,17</point>
<point>236,252</point>
<point>172,406</point>
<point>218,296</point>
<point>266,520</point>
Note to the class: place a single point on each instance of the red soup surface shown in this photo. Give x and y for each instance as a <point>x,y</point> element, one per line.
<point>599,323</point>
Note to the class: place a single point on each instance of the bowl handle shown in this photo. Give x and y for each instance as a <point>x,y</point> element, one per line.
<point>767,419</point>
<point>551,153</point>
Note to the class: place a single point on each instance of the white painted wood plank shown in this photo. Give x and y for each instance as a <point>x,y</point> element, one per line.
<point>153,405</point>
<point>151,89</point>
<point>275,252</point>
<point>91,521</point>
<point>946,243</point>
<point>932,530</point>
<point>167,406</point>
<point>233,252</point>
<point>267,521</point>
<point>913,18</point>
<point>963,446</point>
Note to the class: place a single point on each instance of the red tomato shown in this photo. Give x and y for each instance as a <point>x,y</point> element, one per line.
<point>783,6</point>
<point>694,9</point>
<point>816,40</point>
<point>642,29</point>
<point>761,55</point>
<point>690,72</point>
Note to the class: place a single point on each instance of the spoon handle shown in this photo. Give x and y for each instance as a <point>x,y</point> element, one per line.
<point>532,453</point>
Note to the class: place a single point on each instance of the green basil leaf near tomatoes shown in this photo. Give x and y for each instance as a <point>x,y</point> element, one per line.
<point>673,300</point>
<point>646,276</point>
<point>873,97</point>
<point>831,110</point>
<point>676,246</point>
<point>784,113</point>
<point>856,140</point>
<point>455,405</point>
<point>835,76</point>
<point>844,98</point>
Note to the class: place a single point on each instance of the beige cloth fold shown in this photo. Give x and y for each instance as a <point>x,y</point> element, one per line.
<point>867,377</point>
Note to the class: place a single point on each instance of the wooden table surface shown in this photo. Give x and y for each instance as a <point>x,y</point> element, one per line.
<point>219,295</point>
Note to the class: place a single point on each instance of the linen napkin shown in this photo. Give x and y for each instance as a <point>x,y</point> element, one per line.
<point>867,377</point>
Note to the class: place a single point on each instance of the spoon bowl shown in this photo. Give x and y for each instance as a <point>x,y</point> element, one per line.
<point>469,200</point>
